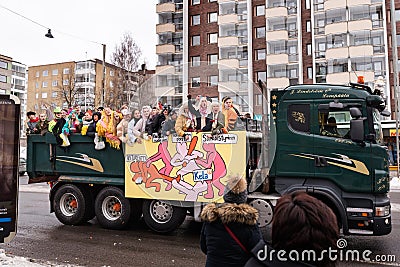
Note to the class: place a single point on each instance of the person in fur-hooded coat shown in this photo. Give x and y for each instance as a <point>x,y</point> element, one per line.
<point>215,241</point>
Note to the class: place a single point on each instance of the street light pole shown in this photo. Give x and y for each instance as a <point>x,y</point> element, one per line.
<point>103,82</point>
<point>395,77</point>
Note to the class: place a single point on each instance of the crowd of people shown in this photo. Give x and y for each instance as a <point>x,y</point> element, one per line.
<point>123,126</point>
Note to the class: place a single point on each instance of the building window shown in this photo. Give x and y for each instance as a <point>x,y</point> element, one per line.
<point>195,40</point>
<point>212,17</point>
<point>212,59</point>
<point>195,2</point>
<point>36,85</point>
<point>37,74</point>
<point>213,80</point>
<point>111,73</point>
<point>309,49</point>
<point>37,95</point>
<point>3,65</point>
<point>397,15</point>
<point>54,83</point>
<point>66,71</point>
<point>212,38</point>
<point>309,73</point>
<point>44,95</point>
<point>44,84</point>
<point>308,4</point>
<point>45,73</point>
<point>195,81</point>
<point>3,78</point>
<point>65,82</point>
<point>195,61</point>
<point>261,75</point>
<point>212,1</point>
<point>260,54</point>
<point>54,72</point>
<point>258,99</point>
<point>260,10</point>
<point>260,32</point>
<point>195,20</point>
<point>308,25</point>
<point>54,94</point>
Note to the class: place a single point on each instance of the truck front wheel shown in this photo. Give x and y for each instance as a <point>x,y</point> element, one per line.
<point>162,217</point>
<point>70,205</point>
<point>112,209</point>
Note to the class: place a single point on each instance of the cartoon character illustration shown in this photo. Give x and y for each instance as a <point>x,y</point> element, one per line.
<point>213,158</point>
<point>186,157</point>
<point>163,155</point>
<point>145,174</point>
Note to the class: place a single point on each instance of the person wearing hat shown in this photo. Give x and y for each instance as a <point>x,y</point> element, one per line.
<point>91,130</point>
<point>31,124</point>
<point>225,225</point>
<point>57,124</point>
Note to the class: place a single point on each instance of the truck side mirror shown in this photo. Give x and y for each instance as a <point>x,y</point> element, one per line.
<point>357,130</point>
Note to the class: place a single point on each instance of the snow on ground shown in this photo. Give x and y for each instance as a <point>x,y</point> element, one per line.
<point>16,261</point>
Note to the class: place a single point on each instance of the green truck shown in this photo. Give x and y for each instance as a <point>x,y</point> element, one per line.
<point>321,139</point>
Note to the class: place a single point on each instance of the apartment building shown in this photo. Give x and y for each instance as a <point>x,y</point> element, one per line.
<point>223,47</point>
<point>81,83</point>
<point>13,76</point>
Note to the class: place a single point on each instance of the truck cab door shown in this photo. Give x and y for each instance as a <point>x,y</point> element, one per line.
<point>9,160</point>
<point>337,158</point>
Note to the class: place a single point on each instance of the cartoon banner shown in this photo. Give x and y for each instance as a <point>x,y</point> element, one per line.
<point>195,170</point>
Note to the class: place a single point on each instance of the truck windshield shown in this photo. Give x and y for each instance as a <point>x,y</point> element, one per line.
<point>377,126</point>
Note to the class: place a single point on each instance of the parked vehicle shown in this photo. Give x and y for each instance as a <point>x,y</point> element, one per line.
<point>164,180</point>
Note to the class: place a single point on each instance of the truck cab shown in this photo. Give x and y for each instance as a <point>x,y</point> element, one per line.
<point>329,144</point>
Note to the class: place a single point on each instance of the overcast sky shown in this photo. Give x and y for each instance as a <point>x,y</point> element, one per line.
<point>76,25</point>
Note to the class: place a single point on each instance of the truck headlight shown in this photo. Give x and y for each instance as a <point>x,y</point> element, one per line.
<point>382,211</point>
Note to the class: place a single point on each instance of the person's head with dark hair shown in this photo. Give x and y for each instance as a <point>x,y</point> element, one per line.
<point>302,222</point>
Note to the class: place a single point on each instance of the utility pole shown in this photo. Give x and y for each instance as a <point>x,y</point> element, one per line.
<point>395,77</point>
<point>103,82</point>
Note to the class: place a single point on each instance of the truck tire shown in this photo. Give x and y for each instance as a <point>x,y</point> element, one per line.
<point>162,217</point>
<point>112,209</point>
<point>70,205</point>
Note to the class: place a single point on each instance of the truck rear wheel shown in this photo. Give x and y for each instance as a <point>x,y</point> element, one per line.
<point>162,217</point>
<point>112,209</point>
<point>71,205</point>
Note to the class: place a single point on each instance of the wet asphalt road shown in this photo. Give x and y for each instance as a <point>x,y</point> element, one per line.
<point>42,238</point>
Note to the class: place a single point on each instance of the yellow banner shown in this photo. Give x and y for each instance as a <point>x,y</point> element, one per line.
<point>195,170</point>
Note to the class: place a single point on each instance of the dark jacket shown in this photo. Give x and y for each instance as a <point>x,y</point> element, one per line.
<point>221,249</point>
<point>196,113</point>
<point>91,131</point>
<point>156,124</point>
<point>57,130</point>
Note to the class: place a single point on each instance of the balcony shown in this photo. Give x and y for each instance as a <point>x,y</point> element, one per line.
<point>277,35</point>
<point>228,63</point>
<point>166,69</point>
<point>281,82</point>
<point>167,27</point>
<point>339,52</point>
<point>229,87</point>
<point>338,78</point>
<point>164,91</point>
<point>228,41</point>
<point>277,59</point>
<point>276,12</point>
<point>361,51</point>
<point>358,25</point>
<point>165,7</point>
<point>333,4</point>
<point>369,76</point>
<point>165,49</point>
<point>358,2</point>
<point>228,19</point>
<point>333,28</point>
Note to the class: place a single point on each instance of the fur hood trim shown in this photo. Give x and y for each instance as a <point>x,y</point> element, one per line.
<point>230,213</point>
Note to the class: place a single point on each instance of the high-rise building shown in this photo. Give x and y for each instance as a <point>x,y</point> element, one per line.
<point>223,47</point>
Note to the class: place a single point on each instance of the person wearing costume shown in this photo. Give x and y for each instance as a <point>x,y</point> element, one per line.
<point>91,130</point>
<point>31,124</point>
<point>122,127</point>
<point>201,112</point>
<point>43,124</point>
<point>107,127</point>
<point>231,114</point>
<point>184,123</point>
